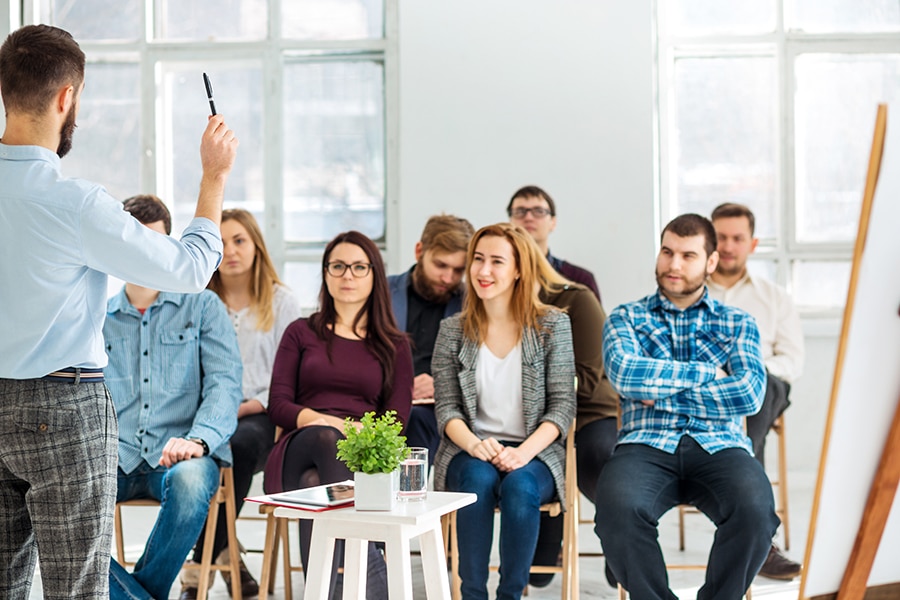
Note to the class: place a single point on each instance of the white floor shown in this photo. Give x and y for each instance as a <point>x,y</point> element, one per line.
<point>593,584</point>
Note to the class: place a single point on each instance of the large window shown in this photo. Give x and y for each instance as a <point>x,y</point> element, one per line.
<point>307,85</point>
<point>772,104</point>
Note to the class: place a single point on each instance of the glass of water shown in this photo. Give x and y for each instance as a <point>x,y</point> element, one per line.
<point>414,475</point>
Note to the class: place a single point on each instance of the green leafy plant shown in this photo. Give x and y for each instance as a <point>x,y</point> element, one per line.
<point>376,447</point>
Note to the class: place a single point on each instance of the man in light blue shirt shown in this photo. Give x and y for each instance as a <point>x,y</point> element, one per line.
<point>59,238</point>
<point>174,373</point>
<point>688,370</point>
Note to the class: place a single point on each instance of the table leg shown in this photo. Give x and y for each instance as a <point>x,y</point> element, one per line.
<point>434,564</point>
<point>398,565</point>
<point>356,555</point>
<point>321,557</point>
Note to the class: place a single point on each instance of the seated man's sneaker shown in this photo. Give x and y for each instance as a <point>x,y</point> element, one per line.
<point>779,566</point>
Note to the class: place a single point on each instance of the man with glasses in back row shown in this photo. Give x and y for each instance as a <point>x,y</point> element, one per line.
<point>532,209</point>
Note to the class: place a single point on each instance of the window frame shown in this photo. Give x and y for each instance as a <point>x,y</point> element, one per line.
<point>785,46</point>
<point>272,53</point>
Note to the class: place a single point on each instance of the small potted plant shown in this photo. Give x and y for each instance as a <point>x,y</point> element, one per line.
<point>373,451</point>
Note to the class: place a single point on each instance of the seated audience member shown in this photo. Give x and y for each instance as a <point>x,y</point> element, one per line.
<point>174,375</point>
<point>347,359</point>
<point>688,370</point>
<point>260,308</point>
<point>535,211</point>
<point>429,291</point>
<point>780,333</point>
<point>504,399</point>
<point>596,425</point>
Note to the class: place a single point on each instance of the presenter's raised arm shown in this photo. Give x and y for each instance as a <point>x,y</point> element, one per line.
<point>218,148</point>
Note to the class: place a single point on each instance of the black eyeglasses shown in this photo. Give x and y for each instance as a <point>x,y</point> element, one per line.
<point>358,270</point>
<point>521,212</point>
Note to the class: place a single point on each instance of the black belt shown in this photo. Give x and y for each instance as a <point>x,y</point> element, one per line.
<point>75,375</point>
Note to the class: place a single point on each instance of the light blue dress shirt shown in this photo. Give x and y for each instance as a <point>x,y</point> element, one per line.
<point>59,238</point>
<point>655,351</point>
<point>174,371</point>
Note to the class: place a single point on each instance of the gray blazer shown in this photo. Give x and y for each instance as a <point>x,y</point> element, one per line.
<point>548,388</point>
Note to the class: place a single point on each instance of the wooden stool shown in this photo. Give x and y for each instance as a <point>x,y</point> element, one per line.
<point>276,532</point>
<point>224,495</point>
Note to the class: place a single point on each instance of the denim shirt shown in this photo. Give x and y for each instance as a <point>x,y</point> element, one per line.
<point>655,351</point>
<point>173,372</point>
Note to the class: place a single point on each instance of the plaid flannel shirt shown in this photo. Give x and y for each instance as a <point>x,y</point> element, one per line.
<point>655,351</point>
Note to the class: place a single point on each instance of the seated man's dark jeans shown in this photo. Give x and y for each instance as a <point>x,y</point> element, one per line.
<point>639,484</point>
<point>422,430</point>
<point>775,403</point>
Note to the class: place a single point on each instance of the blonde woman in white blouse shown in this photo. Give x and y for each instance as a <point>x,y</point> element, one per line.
<point>260,307</point>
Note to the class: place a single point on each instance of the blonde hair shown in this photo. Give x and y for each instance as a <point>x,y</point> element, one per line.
<point>264,277</point>
<point>525,305</point>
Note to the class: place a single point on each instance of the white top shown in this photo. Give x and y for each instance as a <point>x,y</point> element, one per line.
<point>498,383</point>
<point>258,347</point>
<point>780,332</point>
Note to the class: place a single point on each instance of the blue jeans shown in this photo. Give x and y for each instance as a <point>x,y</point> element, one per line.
<point>519,494</point>
<point>184,492</point>
<point>639,484</point>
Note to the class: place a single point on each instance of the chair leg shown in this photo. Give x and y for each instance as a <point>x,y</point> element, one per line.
<point>681,527</point>
<point>120,539</point>
<point>212,520</point>
<point>234,557</point>
<point>782,480</point>
<point>455,581</point>
<point>270,558</point>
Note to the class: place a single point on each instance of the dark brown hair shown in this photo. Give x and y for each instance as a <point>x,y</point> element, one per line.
<point>382,333</point>
<point>532,191</point>
<point>692,224</point>
<point>35,62</point>
<point>147,209</point>
<point>733,209</point>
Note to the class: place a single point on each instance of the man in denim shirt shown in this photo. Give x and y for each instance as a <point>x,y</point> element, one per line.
<point>688,369</point>
<point>175,377</point>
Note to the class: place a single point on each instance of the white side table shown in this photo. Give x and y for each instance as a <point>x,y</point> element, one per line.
<point>395,528</point>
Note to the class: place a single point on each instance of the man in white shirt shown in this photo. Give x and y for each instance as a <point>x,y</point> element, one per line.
<point>781,335</point>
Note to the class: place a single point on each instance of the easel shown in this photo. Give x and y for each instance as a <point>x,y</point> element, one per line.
<point>887,476</point>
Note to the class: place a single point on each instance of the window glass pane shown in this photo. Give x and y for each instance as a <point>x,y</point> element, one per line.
<point>238,94</point>
<point>820,284</point>
<point>704,17</point>
<point>834,114</point>
<point>765,269</point>
<point>332,19</point>
<point>724,146</point>
<point>80,18</point>
<point>858,16</point>
<point>334,159</point>
<point>211,21</point>
<point>107,144</point>
<point>305,280</point>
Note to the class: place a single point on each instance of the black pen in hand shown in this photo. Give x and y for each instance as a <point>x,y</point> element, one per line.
<point>209,93</point>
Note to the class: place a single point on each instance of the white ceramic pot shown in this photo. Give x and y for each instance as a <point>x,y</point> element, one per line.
<point>375,491</point>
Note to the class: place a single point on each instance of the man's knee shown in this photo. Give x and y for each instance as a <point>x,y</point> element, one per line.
<point>193,480</point>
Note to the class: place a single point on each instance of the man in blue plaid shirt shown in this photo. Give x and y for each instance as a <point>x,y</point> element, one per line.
<point>688,370</point>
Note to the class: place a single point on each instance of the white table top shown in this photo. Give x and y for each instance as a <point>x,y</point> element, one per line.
<point>403,513</point>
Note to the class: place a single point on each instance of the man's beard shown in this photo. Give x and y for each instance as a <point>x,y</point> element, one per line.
<point>731,271</point>
<point>66,133</point>
<point>691,286</point>
<point>423,287</point>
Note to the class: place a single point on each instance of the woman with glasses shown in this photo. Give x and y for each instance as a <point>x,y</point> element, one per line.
<point>504,375</point>
<point>343,361</point>
<point>261,308</point>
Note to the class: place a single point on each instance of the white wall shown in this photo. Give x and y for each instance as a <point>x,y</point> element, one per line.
<point>496,95</point>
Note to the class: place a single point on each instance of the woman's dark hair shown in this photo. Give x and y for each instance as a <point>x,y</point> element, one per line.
<point>382,333</point>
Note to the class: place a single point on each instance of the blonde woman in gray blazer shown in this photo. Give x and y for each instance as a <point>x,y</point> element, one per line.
<point>504,376</point>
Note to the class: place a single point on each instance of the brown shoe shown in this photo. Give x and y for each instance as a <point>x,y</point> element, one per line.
<point>188,593</point>
<point>249,587</point>
<point>779,566</point>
